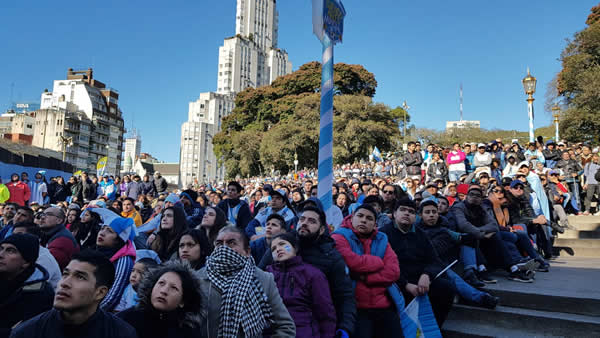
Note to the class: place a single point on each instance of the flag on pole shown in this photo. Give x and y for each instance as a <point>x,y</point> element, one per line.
<point>101,165</point>
<point>377,155</point>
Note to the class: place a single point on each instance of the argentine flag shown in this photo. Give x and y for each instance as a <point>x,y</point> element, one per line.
<point>418,319</point>
<point>377,155</point>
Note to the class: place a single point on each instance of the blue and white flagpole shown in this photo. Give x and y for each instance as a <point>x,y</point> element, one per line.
<point>328,26</point>
<point>326,128</point>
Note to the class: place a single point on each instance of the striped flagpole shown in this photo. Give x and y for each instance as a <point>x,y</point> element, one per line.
<point>326,128</point>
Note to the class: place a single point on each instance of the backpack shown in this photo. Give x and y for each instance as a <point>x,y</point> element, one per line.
<point>597,175</point>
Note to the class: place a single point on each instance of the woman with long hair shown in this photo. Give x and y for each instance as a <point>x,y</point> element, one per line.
<point>86,230</point>
<point>194,248</point>
<point>172,225</point>
<point>169,303</point>
<point>213,220</point>
<point>72,218</point>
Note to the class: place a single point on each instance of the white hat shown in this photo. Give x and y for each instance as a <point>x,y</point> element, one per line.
<point>481,145</point>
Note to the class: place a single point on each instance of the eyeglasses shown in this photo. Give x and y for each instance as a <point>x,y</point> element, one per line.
<point>46,214</point>
<point>498,191</point>
<point>518,187</point>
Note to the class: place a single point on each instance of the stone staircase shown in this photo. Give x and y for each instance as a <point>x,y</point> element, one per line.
<point>583,242</point>
<point>564,302</point>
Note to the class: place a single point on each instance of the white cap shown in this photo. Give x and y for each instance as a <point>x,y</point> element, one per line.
<point>524,164</point>
<point>481,145</point>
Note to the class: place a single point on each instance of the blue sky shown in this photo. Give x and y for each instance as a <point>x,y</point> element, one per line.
<point>161,54</point>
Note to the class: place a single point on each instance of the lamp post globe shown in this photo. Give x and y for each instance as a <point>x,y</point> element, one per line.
<point>529,83</point>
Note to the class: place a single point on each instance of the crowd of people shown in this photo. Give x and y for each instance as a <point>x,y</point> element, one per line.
<point>101,256</point>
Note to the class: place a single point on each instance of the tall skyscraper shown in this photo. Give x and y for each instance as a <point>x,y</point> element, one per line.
<point>251,58</point>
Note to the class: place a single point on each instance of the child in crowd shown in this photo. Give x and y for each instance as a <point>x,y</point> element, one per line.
<point>130,298</point>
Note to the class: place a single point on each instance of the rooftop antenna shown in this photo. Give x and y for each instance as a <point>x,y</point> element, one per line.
<point>461,102</point>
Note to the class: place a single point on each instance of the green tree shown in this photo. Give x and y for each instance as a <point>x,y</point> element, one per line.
<point>270,124</point>
<point>578,83</point>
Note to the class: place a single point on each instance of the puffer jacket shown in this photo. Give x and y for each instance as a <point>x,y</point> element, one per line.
<point>152,323</point>
<point>305,293</point>
<point>323,255</point>
<point>437,170</point>
<point>34,296</point>
<point>373,275</point>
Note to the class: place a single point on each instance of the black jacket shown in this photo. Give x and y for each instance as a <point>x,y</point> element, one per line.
<point>520,210</point>
<point>160,184</point>
<point>152,324</point>
<point>551,155</point>
<point>34,296</point>
<point>473,219</point>
<point>437,170</point>
<point>243,212</point>
<point>148,188</point>
<point>416,255</point>
<point>413,162</point>
<point>89,190</point>
<point>326,258</point>
<point>50,325</point>
<point>445,242</point>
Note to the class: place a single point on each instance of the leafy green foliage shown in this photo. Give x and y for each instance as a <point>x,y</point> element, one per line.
<point>270,124</point>
<point>578,83</point>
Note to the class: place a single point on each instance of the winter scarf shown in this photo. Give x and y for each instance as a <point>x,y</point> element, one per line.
<point>244,301</point>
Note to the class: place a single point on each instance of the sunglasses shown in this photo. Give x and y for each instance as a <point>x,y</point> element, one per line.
<point>518,187</point>
<point>388,191</point>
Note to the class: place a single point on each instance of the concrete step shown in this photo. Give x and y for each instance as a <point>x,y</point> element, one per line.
<point>587,247</point>
<point>585,223</point>
<point>547,302</point>
<point>516,322</point>
<point>580,234</point>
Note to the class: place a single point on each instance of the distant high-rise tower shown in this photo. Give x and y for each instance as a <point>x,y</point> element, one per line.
<point>133,148</point>
<point>248,59</point>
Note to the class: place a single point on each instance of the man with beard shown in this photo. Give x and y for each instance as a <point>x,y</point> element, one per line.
<point>84,283</point>
<point>8,213</point>
<point>19,191</point>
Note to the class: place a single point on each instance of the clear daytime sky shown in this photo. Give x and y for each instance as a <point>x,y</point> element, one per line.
<point>160,55</point>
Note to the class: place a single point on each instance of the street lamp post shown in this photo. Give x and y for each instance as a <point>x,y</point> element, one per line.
<point>295,162</point>
<point>529,86</point>
<point>406,108</point>
<point>556,115</point>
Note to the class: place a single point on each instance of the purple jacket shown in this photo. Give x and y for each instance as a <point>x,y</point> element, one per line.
<point>305,293</point>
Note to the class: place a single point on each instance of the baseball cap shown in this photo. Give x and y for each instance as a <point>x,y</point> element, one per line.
<point>481,145</point>
<point>514,183</point>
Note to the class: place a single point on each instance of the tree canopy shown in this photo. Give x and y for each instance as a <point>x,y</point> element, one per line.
<point>578,83</point>
<point>270,124</point>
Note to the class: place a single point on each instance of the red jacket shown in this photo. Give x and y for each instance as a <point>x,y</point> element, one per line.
<point>19,192</point>
<point>375,274</point>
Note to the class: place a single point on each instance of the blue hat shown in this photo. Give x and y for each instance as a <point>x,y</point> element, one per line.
<point>124,227</point>
<point>514,183</point>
